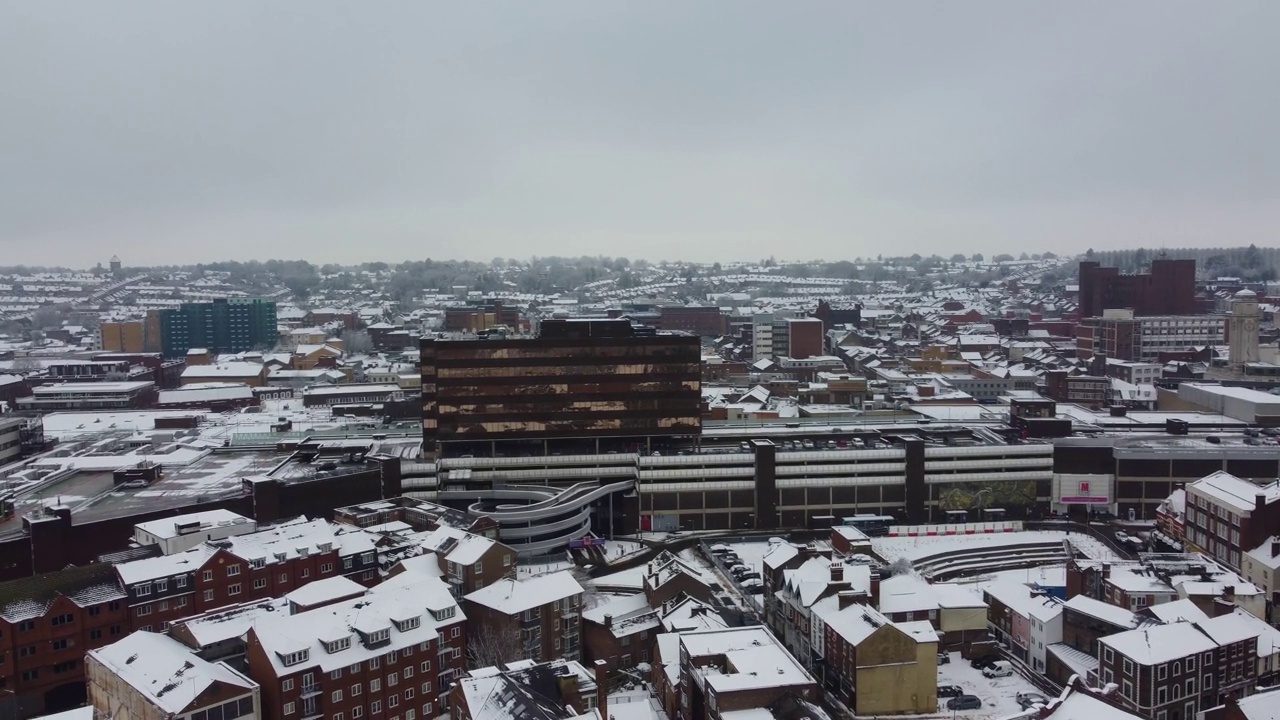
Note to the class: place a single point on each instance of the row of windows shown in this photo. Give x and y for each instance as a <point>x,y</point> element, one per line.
<point>375,708</point>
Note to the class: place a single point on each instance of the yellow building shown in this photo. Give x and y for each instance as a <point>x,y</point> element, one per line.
<point>124,337</point>
<point>881,667</point>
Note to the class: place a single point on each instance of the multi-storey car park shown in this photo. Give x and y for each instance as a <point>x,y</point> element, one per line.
<point>915,473</point>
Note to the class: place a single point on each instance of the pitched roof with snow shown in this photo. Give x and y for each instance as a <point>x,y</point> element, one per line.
<point>1230,491</point>
<point>525,691</point>
<point>167,673</point>
<point>511,596</point>
<point>1160,644</point>
<point>748,658</point>
<point>31,597</point>
<point>346,633</point>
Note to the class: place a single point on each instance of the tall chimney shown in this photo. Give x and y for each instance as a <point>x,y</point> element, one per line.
<point>602,689</point>
<point>837,572</point>
<point>608,621</point>
<point>1259,504</point>
<point>1275,546</point>
<point>845,598</point>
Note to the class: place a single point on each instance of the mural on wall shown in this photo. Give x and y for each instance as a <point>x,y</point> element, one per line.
<point>1006,494</point>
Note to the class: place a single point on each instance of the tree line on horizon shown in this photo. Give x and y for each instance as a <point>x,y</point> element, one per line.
<point>1252,263</point>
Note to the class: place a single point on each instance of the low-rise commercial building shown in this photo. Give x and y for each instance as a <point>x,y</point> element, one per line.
<point>123,395</point>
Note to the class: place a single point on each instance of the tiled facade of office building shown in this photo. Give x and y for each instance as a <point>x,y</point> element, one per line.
<point>580,386</point>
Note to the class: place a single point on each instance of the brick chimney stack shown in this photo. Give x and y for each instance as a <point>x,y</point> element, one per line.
<point>837,572</point>
<point>602,689</point>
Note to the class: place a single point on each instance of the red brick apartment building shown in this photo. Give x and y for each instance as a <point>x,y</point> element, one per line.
<point>1227,516</point>
<point>469,562</point>
<point>540,613</point>
<point>49,621</point>
<point>47,624</point>
<point>734,669</point>
<point>270,563</point>
<point>1174,671</point>
<point>392,653</point>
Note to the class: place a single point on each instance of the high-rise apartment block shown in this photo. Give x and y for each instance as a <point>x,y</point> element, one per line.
<point>581,386</point>
<point>1169,289</point>
<point>224,325</point>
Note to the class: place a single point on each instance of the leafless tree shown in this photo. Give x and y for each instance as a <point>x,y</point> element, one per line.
<point>488,646</point>
<point>47,316</point>
<point>356,342</point>
<point>25,365</point>
<point>591,597</point>
<point>901,566</point>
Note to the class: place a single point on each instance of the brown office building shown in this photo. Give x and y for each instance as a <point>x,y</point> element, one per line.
<point>581,386</point>
<point>1169,289</point>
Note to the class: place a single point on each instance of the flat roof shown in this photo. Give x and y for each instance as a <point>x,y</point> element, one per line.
<point>91,387</point>
<point>167,527</point>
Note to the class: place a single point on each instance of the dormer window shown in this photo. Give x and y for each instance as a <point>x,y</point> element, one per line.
<point>408,623</point>
<point>257,562</point>
<point>444,613</point>
<point>294,658</point>
<point>333,646</point>
<point>377,637</point>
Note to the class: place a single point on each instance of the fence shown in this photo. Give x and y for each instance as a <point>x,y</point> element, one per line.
<point>955,529</point>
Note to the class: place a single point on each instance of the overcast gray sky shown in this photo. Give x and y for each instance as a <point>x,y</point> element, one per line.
<point>342,132</point>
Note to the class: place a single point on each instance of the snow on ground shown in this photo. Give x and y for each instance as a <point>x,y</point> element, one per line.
<point>743,602</point>
<point>918,548</point>
<point>1046,576</point>
<point>542,567</point>
<point>998,695</point>
<point>615,550</point>
<point>751,553</point>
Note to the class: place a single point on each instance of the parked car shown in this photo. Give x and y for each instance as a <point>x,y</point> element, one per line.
<point>1122,536</point>
<point>943,658</point>
<point>999,668</point>
<point>964,702</point>
<point>981,663</point>
<point>749,575</point>
<point>950,691</point>
<point>1027,699</point>
<point>720,549</point>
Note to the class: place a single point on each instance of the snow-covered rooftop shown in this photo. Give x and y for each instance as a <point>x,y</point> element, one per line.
<point>1160,644</point>
<point>167,673</point>
<point>1230,491</point>
<point>511,596</point>
<point>753,659</point>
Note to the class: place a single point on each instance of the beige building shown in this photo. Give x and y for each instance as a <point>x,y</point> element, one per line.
<point>895,665</point>
<point>124,337</point>
<point>1261,566</point>
<point>147,676</point>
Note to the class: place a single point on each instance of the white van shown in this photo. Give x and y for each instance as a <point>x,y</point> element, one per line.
<point>999,668</point>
